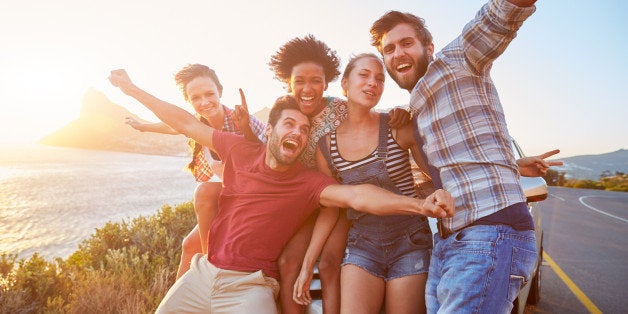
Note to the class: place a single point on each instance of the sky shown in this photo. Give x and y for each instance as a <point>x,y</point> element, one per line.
<point>561,81</point>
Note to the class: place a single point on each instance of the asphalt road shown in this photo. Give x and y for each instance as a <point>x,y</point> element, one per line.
<point>585,269</point>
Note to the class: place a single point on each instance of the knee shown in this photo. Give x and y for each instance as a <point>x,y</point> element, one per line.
<point>207,189</point>
<point>288,264</point>
<point>191,244</point>
<point>206,195</point>
<point>329,266</point>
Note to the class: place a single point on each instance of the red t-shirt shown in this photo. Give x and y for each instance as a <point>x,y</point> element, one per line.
<point>259,208</point>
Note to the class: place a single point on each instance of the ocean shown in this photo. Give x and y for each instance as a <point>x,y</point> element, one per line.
<point>51,198</point>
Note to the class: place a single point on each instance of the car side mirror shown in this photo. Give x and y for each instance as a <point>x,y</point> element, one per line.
<point>535,188</point>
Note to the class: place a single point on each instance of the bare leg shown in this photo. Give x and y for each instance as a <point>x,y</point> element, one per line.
<point>361,292</point>
<point>190,246</point>
<point>329,264</point>
<point>290,264</point>
<point>406,294</point>
<point>206,206</point>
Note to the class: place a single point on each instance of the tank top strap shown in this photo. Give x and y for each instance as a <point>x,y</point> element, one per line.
<point>322,144</point>
<point>382,146</point>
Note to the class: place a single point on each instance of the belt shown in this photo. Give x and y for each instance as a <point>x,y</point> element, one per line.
<point>516,216</point>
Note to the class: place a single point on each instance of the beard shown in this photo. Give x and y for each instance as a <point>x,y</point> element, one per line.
<point>408,80</point>
<point>274,145</point>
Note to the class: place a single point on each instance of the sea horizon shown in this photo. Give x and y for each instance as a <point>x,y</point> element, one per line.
<point>52,198</point>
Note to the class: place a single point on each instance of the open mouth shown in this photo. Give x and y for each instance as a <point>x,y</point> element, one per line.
<point>290,145</point>
<point>403,67</point>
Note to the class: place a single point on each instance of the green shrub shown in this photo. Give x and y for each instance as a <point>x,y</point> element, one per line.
<point>122,268</point>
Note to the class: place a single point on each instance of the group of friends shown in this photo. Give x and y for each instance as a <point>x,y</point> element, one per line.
<point>330,181</point>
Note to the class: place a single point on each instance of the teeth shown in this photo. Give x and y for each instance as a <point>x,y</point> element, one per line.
<point>403,66</point>
<point>370,93</point>
<point>290,144</point>
<point>307,98</point>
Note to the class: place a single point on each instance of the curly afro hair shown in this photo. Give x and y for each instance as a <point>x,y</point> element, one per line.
<point>306,49</point>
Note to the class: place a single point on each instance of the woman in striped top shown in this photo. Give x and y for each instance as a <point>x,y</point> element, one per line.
<point>387,257</point>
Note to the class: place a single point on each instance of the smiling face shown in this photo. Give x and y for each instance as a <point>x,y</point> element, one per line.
<point>405,57</point>
<point>287,139</point>
<point>307,83</point>
<point>364,83</point>
<point>203,94</point>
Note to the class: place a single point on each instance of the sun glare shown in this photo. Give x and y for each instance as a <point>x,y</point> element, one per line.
<point>39,95</point>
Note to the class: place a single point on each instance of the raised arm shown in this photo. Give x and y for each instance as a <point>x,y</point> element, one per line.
<point>242,119</point>
<point>158,127</point>
<point>177,118</point>
<point>488,35</point>
<point>522,3</point>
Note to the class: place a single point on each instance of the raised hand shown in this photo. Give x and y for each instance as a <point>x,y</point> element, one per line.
<point>241,113</point>
<point>119,78</point>
<point>537,166</point>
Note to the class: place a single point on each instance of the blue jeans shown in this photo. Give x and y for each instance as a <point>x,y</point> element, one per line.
<point>479,269</point>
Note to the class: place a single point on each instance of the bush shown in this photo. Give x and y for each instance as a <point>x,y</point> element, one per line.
<point>122,268</point>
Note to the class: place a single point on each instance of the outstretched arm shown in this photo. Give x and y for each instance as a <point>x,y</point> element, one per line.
<point>537,166</point>
<point>373,200</point>
<point>158,127</point>
<point>177,118</point>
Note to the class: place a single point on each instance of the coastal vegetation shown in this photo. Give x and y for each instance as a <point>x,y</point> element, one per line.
<point>124,267</point>
<point>607,181</point>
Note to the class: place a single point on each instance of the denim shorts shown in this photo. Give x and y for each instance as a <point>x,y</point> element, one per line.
<point>402,253</point>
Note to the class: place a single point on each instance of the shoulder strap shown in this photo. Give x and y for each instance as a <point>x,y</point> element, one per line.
<point>382,146</point>
<point>322,144</point>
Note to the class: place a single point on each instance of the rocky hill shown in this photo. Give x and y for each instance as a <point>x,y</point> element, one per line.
<point>101,126</point>
<point>592,166</point>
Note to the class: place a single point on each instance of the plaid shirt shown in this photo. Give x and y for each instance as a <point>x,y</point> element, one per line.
<point>461,119</point>
<point>203,171</point>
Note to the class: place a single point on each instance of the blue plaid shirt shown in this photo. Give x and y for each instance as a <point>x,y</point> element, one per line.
<point>461,119</point>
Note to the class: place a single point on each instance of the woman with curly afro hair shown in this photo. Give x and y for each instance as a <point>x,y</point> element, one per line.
<point>307,65</point>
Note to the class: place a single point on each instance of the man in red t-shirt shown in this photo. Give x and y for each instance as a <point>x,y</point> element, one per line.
<point>267,195</point>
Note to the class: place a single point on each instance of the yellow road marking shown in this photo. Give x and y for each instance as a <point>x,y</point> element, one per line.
<point>571,285</point>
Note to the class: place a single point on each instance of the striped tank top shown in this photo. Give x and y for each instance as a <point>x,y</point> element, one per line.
<point>397,163</point>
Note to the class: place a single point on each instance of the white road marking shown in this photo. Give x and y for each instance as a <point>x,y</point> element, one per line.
<point>581,199</point>
<point>558,197</point>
